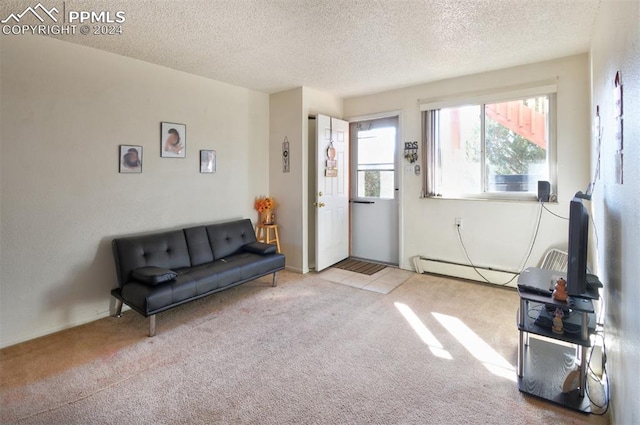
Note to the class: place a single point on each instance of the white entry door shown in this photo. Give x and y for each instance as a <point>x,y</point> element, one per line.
<point>331,198</point>
<point>374,193</point>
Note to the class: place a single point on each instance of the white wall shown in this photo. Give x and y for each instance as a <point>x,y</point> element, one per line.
<point>616,47</point>
<point>65,109</point>
<point>286,120</point>
<point>496,234</point>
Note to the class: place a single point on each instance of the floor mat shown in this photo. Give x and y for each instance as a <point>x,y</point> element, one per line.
<point>359,266</point>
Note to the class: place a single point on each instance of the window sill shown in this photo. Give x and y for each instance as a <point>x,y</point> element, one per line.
<point>526,197</point>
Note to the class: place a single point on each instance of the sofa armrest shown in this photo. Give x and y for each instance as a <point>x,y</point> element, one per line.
<point>259,248</point>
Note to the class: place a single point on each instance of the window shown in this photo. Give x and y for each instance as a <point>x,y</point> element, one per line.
<point>375,155</point>
<point>489,148</point>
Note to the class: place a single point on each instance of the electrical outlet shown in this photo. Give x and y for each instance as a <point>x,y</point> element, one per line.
<point>459,222</point>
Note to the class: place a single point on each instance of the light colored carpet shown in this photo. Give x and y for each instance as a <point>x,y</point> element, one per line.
<point>306,352</point>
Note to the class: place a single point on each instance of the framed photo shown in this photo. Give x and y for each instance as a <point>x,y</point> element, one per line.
<point>207,161</point>
<point>130,159</point>
<point>173,140</point>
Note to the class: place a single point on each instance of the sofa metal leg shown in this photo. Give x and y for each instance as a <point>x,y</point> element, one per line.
<point>275,279</point>
<point>152,325</point>
<point>118,308</point>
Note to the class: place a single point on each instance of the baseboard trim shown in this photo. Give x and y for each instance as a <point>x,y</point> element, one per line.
<point>60,328</point>
<point>464,271</point>
<point>294,269</point>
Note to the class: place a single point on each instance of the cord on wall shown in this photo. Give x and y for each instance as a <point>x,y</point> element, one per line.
<point>522,264</point>
<point>604,381</point>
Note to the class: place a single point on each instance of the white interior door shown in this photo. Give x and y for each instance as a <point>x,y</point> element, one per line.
<point>374,193</point>
<point>331,198</point>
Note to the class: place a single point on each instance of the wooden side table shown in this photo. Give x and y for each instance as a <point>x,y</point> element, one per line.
<point>268,233</point>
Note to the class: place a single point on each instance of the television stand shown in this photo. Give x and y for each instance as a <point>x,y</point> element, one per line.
<point>544,363</point>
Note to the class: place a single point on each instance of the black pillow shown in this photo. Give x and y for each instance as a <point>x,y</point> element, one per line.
<point>259,248</point>
<point>153,275</point>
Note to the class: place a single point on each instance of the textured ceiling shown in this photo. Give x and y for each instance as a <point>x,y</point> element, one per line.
<point>343,47</point>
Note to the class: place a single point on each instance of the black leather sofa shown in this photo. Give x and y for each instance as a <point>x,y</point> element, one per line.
<point>159,271</point>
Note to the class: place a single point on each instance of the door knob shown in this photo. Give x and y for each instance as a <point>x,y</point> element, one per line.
<point>318,204</point>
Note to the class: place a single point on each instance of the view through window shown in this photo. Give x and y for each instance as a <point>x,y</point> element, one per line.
<point>375,171</point>
<point>490,148</point>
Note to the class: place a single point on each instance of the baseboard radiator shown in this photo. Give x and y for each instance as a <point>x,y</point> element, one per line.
<point>465,271</point>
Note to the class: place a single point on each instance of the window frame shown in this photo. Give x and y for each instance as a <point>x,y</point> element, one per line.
<point>374,123</point>
<point>430,146</point>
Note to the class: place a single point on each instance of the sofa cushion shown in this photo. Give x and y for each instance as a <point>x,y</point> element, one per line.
<point>226,274</point>
<point>149,299</point>
<point>153,275</point>
<point>228,238</point>
<point>166,249</point>
<point>198,244</point>
<point>252,265</point>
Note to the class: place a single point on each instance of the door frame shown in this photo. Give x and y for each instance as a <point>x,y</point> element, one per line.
<point>399,173</point>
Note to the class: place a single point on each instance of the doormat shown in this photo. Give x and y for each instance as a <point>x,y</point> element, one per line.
<point>359,266</point>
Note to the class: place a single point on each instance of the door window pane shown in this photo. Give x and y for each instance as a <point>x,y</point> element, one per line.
<point>376,154</point>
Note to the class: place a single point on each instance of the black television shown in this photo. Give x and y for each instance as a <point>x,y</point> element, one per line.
<point>578,248</point>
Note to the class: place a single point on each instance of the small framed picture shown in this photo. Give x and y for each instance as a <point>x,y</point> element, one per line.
<point>130,159</point>
<point>207,161</point>
<point>173,140</point>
